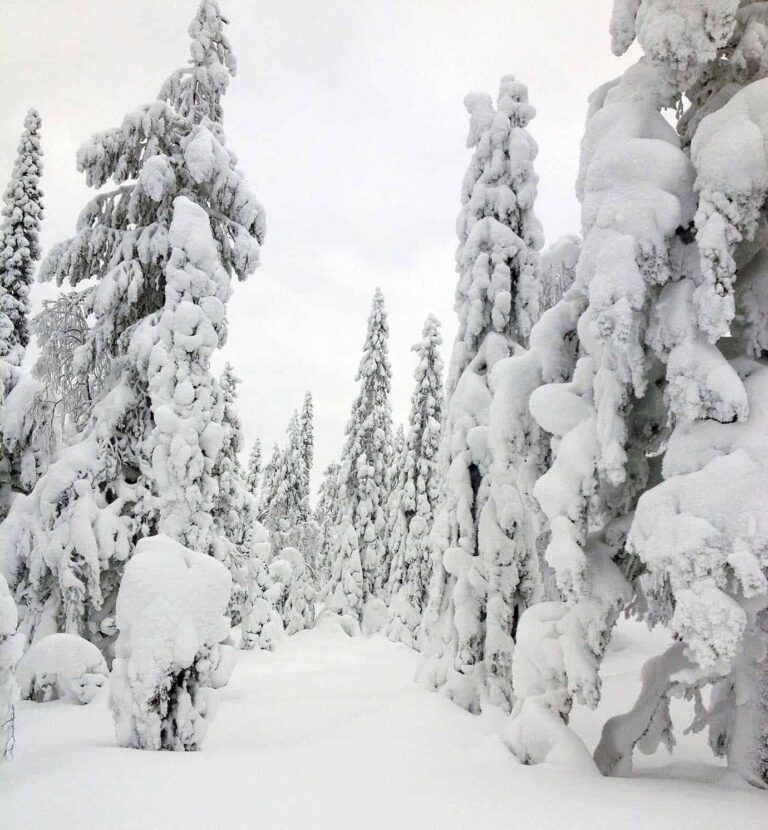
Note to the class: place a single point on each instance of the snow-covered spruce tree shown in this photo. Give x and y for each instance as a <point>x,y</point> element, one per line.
<point>10,652</point>
<point>171,656</point>
<point>307,434</point>
<point>297,606</point>
<point>234,507</point>
<point>24,444</point>
<point>327,516</point>
<point>608,418</point>
<point>393,532</point>
<point>284,506</point>
<point>344,592</point>
<point>702,532</point>
<point>253,474</point>
<point>497,303</point>
<point>19,241</point>
<point>418,488</point>
<point>162,248</point>
<point>365,463</point>
<point>672,306</point>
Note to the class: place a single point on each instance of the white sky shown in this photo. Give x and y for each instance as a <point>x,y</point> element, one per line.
<point>347,118</point>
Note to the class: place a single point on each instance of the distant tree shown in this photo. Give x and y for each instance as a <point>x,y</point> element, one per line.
<point>417,490</point>
<point>366,458</point>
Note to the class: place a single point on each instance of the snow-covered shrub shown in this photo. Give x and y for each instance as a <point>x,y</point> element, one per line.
<point>364,473</point>
<point>10,652</point>
<point>477,580</point>
<point>61,666</point>
<point>160,249</point>
<point>170,655</point>
<point>415,493</point>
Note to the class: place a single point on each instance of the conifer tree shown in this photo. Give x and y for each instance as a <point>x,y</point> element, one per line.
<point>161,248</point>
<point>307,430</point>
<point>327,515</point>
<point>25,444</point>
<point>253,474</point>
<point>365,460</point>
<point>19,241</point>
<point>653,493</point>
<point>417,491</point>
<point>470,611</point>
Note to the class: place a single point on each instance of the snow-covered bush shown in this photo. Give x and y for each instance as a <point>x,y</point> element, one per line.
<point>170,655</point>
<point>10,652</point>
<point>161,249</point>
<point>415,493</point>
<point>61,666</point>
<point>477,582</point>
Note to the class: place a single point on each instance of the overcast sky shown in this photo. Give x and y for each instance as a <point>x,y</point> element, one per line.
<point>347,118</point>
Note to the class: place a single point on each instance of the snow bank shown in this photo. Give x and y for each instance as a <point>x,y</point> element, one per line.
<point>61,666</point>
<point>170,656</point>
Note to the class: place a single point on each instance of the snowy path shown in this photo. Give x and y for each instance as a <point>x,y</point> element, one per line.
<point>331,732</point>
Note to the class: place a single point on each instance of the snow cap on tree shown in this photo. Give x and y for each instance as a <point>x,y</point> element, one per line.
<point>22,214</point>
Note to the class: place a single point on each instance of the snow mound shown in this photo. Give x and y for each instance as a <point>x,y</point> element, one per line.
<point>170,656</point>
<point>61,666</point>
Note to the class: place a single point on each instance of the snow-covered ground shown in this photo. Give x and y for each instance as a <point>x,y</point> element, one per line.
<point>332,732</point>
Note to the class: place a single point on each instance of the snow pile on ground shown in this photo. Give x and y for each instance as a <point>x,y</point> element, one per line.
<point>170,656</point>
<point>61,666</point>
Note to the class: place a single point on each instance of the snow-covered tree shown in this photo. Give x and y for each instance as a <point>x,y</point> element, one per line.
<point>170,656</point>
<point>393,532</point>
<point>297,605</point>
<point>475,585</point>
<point>557,270</point>
<point>234,509</point>
<point>161,249</point>
<point>327,516</point>
<point>672,332</point>
<point>25,444</point>
<point>417,490</point>
<point>344,593</point>
<point>19,241</point>
<point>253,473</point>
<point>284,504</point>
<point>365,460</point>
<point>260,623</point>
<point>10,652</point>
<point>307,433</point>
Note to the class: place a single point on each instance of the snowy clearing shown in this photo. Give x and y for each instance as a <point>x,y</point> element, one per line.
<point>329,730</point>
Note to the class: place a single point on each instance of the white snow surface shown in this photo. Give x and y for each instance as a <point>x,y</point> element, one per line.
<point>313,734</point>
